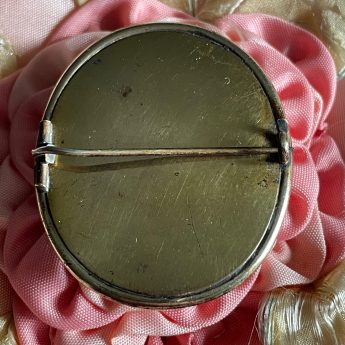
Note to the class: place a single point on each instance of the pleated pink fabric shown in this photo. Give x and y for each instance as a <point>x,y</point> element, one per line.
<point>51,307</point>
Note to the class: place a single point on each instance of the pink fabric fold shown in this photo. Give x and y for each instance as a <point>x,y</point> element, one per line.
<point>26,23</point>
<point>50,306</point>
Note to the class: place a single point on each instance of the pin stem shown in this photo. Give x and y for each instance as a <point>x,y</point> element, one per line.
<point>175,152</point>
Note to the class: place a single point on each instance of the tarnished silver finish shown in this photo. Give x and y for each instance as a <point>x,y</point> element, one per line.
<point>285,142</point>
<point>189,198</point>
<point>46,132</point>
<point>42,178</point>
<point>42,181</point>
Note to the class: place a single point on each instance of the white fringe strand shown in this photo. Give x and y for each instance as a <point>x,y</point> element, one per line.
<point>313,315</point>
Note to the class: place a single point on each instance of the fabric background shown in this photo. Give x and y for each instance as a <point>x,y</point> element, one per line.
<point>324,18</point>
<point>48,304</point>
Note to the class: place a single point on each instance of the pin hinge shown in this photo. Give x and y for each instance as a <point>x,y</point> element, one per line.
<point>285,141</point>
<point>46,133</point>
<point>42,174</point>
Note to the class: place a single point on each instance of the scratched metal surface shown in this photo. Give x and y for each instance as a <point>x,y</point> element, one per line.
<point>163,226</point>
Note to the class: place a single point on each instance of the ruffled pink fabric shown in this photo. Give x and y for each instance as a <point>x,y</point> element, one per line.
<point>50,306</point>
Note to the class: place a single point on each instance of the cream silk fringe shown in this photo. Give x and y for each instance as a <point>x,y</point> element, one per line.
<point>7,330</point>
<point>313,315</point>
<point>8,60</point>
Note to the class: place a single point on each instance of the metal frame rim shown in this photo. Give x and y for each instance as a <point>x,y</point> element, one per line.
<point>269,235</point>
